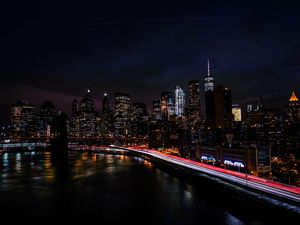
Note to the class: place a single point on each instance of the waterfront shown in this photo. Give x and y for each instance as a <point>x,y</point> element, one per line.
<point>109,189</point>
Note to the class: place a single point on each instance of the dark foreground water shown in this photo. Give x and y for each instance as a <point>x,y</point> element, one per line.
<point>105,189</point>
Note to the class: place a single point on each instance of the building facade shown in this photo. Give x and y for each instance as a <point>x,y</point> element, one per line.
<point>156,110</point>
<point>23,120</point>
<point>84,117</point>
<point>122,114</point>
<point>166,105</point>
<point>179,101</point>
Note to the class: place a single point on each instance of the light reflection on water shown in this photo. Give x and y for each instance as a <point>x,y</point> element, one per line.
<point>119,182</point>
<point>5,161</point>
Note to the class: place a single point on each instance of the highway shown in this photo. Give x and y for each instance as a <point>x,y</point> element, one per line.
<point>263,185</point>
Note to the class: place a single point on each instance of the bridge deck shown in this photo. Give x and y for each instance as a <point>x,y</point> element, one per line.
<point>263,185</point>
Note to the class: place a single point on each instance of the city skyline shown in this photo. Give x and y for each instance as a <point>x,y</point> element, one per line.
<point>57,55</point>
<point>106,95</point>
<point>117,112</point>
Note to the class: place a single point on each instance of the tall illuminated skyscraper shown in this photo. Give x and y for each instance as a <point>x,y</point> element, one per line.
<point>45,118</point>
<point>73,125</point>
<point>292,125</point>
<point>209,99</point>
<point>208,80</point>
<point>122,113</point>
<point>105,103</point>
<point>156,113</point>
<point>23,119</point>
<point>86,116</point>
<point>194,118</point>
<point>293,109</point>
<point>179,101</point>
<point>107,116</point>
<point>166,104</point>
<point>194,102</point>
<point>87,103</point>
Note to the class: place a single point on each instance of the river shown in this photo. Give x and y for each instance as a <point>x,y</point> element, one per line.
<point>104,189</point>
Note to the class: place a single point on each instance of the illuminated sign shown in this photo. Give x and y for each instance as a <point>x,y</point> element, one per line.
<point>237,164</point>
<point>210,158</point>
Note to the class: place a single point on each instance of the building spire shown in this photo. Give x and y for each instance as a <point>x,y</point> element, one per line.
<point>208,68</point>
<point>293,97</point>
<point>208,80</point>
<point>88,90</point>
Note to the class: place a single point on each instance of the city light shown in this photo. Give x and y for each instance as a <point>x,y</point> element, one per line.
<point>166,112</point>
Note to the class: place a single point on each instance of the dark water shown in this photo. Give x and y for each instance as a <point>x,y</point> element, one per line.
<point>102,189</point>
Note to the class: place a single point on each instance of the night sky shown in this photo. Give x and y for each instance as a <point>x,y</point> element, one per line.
<point>55,51</point>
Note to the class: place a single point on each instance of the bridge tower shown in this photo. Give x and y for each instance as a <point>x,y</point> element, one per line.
<point>59,140</point>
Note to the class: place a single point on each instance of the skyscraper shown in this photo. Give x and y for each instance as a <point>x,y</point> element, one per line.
<point>139,110</point>
<point>293,109</point>
<point>87,103</point>
<point>105,103</point>
<point>194,117</point>
<point>292,126</point>
<point>263,131</point>
<point>122,113</point>
<point>209,99</point>
<point>87,115</point>
<point>23,119</point>
<point>156,114</point>
<point>73,124</point>
<point>45,118</point>
<point>223,107</point>
<point>83,120</point>
<point>107,117</point>
<point>194,102</point>
<point>139,123</point>
<point>179,101</point>
<point>166,104</point>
